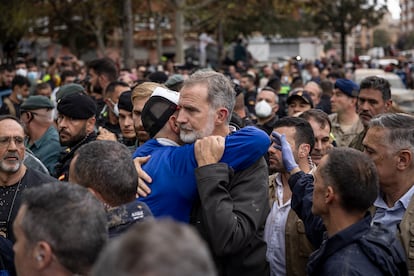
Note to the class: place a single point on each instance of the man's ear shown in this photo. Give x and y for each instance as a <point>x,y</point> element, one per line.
<point>329,194</point>
<point>388,105</point>
<point>275,108</point>
<point>404,159</point>
<point>90,124</point>
<point>173,124</point>
<point>304,150</point>
<point>221,115</point>
<point>43,255</point>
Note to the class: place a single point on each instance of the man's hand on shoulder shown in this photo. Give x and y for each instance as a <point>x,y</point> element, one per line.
<point>209,150</point>
<point>143,178</point>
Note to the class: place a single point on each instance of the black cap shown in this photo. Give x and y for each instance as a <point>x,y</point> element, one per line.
<point>77,106</point>
<point>125,101</point>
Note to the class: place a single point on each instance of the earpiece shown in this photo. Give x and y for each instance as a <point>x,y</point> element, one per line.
<point>39,258</point>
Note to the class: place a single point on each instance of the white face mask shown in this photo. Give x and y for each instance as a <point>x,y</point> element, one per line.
<point>263,109</point>
<point>116,110</point>
<point>21,72</point>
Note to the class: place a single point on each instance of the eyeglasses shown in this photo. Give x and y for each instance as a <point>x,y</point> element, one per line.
<point>5,140</point>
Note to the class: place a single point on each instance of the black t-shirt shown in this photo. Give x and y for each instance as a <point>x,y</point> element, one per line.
<point>8,209</point>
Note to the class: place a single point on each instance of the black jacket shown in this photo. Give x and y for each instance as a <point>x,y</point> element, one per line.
<point>230,215</point>
<point>359,250</point>
<point>62,166</point>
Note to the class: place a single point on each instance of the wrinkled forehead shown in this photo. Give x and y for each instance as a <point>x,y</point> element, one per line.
<point>9,127</point>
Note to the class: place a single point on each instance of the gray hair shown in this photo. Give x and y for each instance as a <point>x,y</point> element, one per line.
<point>107,168</point>
<point>156,247</point>
<point>401,129</point>
<point>220,89</point>
<point>70,219</point>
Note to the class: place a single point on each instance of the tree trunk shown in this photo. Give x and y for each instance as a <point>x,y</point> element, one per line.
<point>128,40</point>
<point>159,37</point>
<point>179,32</point>
<point>343,47</point>
<point>100,36</point>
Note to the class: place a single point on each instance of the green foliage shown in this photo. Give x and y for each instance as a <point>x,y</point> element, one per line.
<point>342,16</point>
<point>247,16</point>
<point>14,18</point>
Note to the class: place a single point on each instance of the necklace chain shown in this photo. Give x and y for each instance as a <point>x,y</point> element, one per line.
<point>14,200</point>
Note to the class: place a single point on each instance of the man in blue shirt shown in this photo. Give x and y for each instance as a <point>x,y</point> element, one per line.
<point>173,187</point>
<point>231,208</point>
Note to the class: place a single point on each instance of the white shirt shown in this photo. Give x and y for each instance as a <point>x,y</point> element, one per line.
<point>275,231</point>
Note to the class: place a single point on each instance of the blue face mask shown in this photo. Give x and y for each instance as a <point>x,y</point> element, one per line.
<point>33,75</point>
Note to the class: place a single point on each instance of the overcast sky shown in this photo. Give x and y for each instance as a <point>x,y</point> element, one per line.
<point>394,7</point>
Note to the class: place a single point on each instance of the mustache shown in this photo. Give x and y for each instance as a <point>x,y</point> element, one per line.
<point>64,132</point>
<point>11,155</point>
<point>185,127</point>
<point>365,113</point>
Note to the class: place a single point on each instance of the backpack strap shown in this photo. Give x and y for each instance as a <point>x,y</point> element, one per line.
<point>10,106</point>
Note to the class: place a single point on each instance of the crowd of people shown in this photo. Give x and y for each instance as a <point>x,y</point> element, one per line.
<point>243,170</point>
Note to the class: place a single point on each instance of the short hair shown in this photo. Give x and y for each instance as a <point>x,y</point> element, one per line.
<point>315,84</point>
<point>107,168</point>
<point>327,87</point>
<point>304,132</point>
<point>67,73</point>
<point>220,89</point>
<point>104,66</point>
<point>401,129</point>
<point>354,177</point>
<point>19,80</point>
<point>377,83</point>
<point>41,86</point>
<point>110,89</point>
<point>274,83</point>
<point>144,90</point>
<point>70,219</point>
<point>319,116</point>
<point>270,89</point>
<point>249,77</point>
<point>156,247</point>
<point>6,67</point>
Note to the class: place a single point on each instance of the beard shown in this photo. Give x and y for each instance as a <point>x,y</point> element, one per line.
<point>188,135</point>
<point>73,139</point>
<point>11,166</point>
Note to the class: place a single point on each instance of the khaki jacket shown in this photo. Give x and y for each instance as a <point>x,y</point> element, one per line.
<point>407,236</point>
<point>298,248</point>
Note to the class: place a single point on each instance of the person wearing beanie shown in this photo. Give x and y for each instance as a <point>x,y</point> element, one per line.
<point>126,122</point>
<point>127,134</point>
<point>76,127</point>
<point>346,124</point>
<point>36,114</point>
